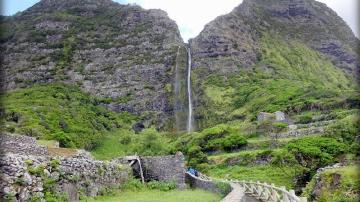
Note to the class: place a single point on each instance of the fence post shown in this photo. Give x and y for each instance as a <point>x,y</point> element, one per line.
<point>251,187</point>
<point>258,188</point>
<point>292,195</point>
<point>274,195</point>
<point>267,193</point>
<point>285,197</point>
<point>303,199</point>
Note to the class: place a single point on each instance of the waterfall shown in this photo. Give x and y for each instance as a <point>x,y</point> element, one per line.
<point>183,109</point>
<point>177,91</point>
<point>190,110</point>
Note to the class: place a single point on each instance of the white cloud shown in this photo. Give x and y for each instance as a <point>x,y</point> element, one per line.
<point>347,10</point>
<point>192,15</point>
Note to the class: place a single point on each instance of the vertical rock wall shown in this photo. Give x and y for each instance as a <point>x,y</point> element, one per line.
<point>165,168</point>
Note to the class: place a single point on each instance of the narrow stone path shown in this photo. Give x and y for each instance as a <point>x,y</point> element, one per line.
<point>238,195</point>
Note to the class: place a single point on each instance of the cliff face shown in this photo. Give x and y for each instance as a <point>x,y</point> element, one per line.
<point>235,37</point>
<point>119,52</point>
<point>297,43</point>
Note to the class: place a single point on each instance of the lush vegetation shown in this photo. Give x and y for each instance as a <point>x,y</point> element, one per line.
<point>219,138</point>
<point>125,142</point>
<point>288,77</point>
<point>347,189</point>
<point>315,152</point>
<point>60,112</point>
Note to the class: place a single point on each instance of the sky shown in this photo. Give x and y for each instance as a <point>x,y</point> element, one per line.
<point>192,15</point>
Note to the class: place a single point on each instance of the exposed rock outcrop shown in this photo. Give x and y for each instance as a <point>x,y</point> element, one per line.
<point>231,40</point>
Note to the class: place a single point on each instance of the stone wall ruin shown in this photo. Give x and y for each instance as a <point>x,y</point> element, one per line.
<point>27,172</point>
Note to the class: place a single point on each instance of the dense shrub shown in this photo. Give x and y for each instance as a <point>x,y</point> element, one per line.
<point>304,119</point>
<point>315,152</point>
<point>162,186</point>
<point>196,156</point>
<point>344,130</point>
<point>64,140</point>
<point>233,141</point>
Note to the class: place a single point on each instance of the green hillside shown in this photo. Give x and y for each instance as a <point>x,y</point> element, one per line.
<point>289,77</point>
<point>61,112</point>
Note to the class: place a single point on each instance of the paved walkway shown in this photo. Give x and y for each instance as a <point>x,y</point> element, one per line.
<point>237,195</point>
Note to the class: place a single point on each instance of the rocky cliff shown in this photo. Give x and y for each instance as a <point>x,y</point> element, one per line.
<point>261,46</point>
<point>120,52</point>
<point>235,36</point>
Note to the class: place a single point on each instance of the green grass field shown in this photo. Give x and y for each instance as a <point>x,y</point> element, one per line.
<point>280,176</point>
<point>158,196</point>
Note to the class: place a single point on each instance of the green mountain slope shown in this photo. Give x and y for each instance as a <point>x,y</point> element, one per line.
<point>289,76</point>
<point>273,55</point>
<point>61,112</point>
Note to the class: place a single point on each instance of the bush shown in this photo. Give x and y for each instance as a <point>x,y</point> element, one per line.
<point>344,130</point>
<point>305,119</point>
<point>162,186</point>
<point>315,152</point>
<point>279,127</point>
<point>196,156</point>
<point>54,163</point>
<point>64,140</point>
<point>133,185</point>
<point>233,141</point>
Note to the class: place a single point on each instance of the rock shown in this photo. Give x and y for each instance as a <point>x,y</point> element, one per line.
<point>138,127</point>
<point>27,178</point>
<point>292,127</point>
<point>47,173</point>
<point>93,190</point>
<point>70,190</point>
<point>263,116</point>
<point>24,194</point>
<point>280,116</point>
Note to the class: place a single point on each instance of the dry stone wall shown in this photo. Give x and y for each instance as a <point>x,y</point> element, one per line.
<point>26,177</point>
<point>161,168</point>
<point>299,132</point>
<point>165,168</point>
<point>21,145</point>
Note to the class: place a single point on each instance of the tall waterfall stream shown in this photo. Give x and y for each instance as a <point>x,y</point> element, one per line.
<point>190,109</point>
<point>183,103</point>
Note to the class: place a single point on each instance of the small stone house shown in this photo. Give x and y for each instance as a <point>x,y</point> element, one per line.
<point>278,116</point>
